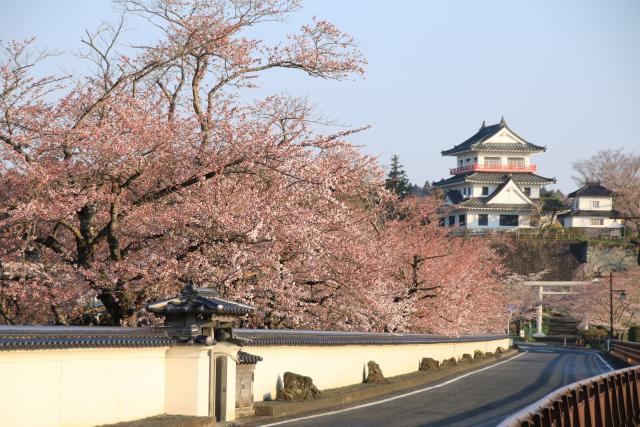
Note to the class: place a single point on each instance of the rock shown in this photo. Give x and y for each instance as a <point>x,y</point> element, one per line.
<point>478,355</point>
<point>488,354</point>
<point>428,364</point>
<point>297,387</point>
<point>449,362</point>
<point>466,358</point>
<point>374,375</point>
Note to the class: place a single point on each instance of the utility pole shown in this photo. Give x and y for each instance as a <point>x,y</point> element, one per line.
<point>611,305</point>
<point>622,295</point>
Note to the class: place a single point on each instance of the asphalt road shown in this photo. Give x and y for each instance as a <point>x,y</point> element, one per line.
<point>483,398</point>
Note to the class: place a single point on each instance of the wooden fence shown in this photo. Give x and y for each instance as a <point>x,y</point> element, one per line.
<point>606,400</point>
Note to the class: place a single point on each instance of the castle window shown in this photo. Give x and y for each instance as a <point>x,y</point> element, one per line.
<point>595,203</point>
<point>452,220</point>
<point>492,161</point>
<point>462,219</point>
<point>527,191</point>
<point>483,219</point>
<point>485,191</point>
<point>597,221</point>
<point>515,162</point>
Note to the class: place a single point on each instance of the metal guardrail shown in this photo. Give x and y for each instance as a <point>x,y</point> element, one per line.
<point>625,350</point>
<point>605,400</point>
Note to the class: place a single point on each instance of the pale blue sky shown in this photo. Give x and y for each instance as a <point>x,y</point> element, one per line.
<point>565,74</point>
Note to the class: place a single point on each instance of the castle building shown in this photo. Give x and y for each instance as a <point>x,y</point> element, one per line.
<point>592,210</point>
<point>493,184</point>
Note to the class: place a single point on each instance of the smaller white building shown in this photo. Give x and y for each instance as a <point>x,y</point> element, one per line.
<point>592,210</point>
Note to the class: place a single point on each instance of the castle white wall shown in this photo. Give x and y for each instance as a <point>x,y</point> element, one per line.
<point>524,219</point>
<point>585,222</point>
<point>475,190</point>
<point>587,203</point>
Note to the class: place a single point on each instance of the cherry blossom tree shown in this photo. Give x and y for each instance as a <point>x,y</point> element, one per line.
<point>592,304</point>
<point>154,171</point>
<point>448,285</point>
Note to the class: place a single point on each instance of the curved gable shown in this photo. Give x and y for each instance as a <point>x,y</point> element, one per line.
<point>508,193</point>
<point>505,136</point>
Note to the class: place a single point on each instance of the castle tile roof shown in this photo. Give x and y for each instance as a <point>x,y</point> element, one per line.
<point>520,178</point>
<point>592,190</point>
<point>477,142</point>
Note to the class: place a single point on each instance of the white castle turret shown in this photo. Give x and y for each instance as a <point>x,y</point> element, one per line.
<point>493,184</point>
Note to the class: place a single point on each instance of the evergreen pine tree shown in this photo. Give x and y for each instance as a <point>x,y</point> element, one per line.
<point>397,180</point>
<point>426,188</point>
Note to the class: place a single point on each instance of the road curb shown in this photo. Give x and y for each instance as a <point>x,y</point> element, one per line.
<point>361,392</point>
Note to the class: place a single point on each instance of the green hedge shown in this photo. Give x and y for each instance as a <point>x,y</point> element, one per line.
<point>634,333</point>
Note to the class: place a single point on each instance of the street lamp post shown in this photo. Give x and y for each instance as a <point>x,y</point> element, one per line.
<point>621,294</point>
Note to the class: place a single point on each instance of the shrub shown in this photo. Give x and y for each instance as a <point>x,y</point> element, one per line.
<point>594,334</point>
<point>634,333</point>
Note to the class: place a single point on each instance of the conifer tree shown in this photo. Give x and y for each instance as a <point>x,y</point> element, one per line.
<point>397,180</point>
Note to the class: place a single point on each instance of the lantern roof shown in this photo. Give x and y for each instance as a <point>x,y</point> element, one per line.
<point>199,301</point>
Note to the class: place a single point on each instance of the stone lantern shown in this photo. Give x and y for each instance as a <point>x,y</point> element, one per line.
<point>200,315</point>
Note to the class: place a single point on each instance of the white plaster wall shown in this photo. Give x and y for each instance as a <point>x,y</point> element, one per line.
<point>505,135</point>
<point>337,366</point>
<point>494,220</point>
<point>187,381</point>
<point>584,203</point>
<point>80,387</point>
<point>477,190</point>
<point>585,221</point>
<point>468,159</point>
<point>535,191</point>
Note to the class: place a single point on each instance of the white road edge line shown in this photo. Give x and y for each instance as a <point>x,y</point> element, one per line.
<point>605,362</point>
<point>378,402</point>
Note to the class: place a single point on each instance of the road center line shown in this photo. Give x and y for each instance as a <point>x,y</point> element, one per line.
<point>389,399</point>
